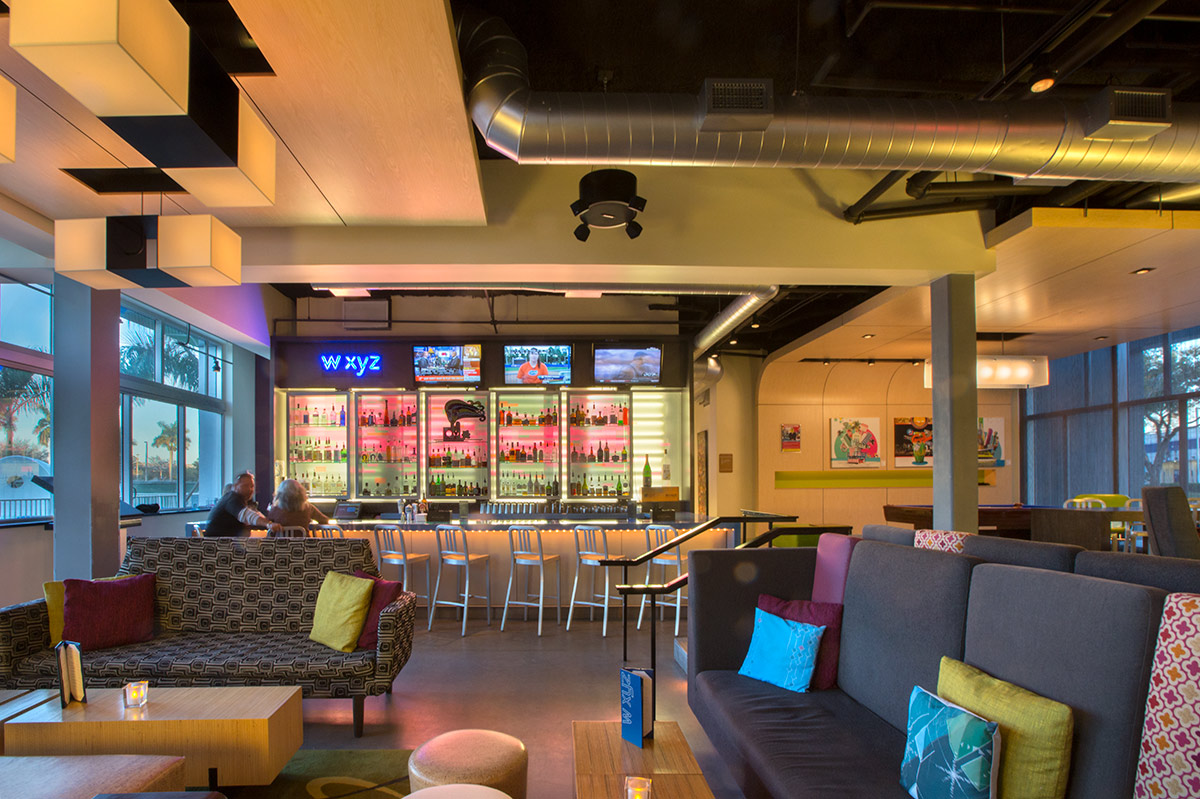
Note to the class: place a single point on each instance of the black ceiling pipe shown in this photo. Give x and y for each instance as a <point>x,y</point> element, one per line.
<point>982,188</point>
<point>1100,37</point>
<point>1076,192</point>
<point>922,209</point>
<point>854,212</point>
<point>919,182</point>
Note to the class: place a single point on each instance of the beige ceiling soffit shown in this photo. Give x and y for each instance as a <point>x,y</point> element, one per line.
<point>1095,219</point>
<point>22,225</point>
<point>878,301</point>
<point>1185,220</point>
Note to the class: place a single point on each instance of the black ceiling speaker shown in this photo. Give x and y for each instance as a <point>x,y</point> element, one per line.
<point>608,198</point>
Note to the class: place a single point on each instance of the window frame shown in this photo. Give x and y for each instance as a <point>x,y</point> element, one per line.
<point>15,356</point>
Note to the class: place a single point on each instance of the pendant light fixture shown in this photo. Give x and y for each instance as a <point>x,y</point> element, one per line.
<point>199,250</point>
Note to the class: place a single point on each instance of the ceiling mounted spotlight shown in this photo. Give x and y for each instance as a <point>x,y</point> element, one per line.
<point>1145,270</point>
<point>754,324</point>
<point>870,362</point>
<point>733,342</point>
<point>825,362</point>
<point>868,335</point>
<point>608,199</point>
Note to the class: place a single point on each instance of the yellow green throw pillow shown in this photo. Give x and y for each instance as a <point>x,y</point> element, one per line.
<point>341,611</point>
<point>55,593</point>
<point>1035,758</point>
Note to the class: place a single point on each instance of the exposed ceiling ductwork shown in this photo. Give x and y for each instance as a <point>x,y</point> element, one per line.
<point>728,320</point>
<point>1044,138</point>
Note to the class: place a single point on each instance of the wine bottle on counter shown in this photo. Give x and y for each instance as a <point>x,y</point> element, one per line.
<point>647,474</point>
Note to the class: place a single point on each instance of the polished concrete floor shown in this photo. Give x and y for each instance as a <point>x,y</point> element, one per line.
<point>518,683</point>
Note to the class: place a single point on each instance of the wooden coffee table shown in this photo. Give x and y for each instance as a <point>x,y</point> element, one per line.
<point>83,777</point>
<point>603,759</point>
<point>237,735</point>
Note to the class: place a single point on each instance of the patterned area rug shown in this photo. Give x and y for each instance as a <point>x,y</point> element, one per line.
<point>334,774</point>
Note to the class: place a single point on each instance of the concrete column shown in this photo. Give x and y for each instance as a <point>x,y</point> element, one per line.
<point>955,404</point>
<point>87,450</point>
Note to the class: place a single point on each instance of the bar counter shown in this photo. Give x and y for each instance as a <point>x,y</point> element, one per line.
<point>489,536</point>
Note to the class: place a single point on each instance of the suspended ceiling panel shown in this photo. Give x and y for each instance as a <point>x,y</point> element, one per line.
<point>1063,278</point>
<point>368,96</point>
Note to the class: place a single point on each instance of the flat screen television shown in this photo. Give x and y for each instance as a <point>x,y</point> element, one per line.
<point>446,363</point>
<point>537,364</point>
<point>629,365</point>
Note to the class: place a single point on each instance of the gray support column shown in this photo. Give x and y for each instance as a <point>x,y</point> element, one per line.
<point>955,404</point>
<point>87,449</point>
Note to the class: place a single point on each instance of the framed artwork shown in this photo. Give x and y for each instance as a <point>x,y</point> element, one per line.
<point>702,473</point>
<point>991,441</point>
<point>854,443</point>
<point>789,438</point>
<point>912,442</point>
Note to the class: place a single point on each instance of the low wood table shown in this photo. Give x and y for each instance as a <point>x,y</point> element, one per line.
<point>603,759</point>
<point>237,735</point>
<point>84,777</point>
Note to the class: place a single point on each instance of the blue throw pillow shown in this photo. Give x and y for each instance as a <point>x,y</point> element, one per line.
<point>951,753</point>
<point>782,652</point>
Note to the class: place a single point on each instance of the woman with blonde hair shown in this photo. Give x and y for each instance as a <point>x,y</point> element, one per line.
<point>291,507</point>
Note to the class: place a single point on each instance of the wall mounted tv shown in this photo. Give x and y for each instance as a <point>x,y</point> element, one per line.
<point>446,363</point>
<point>537,364</point>
<point>628,365</point>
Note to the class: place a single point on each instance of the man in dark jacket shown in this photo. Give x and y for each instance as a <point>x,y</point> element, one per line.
<point>233,514</point>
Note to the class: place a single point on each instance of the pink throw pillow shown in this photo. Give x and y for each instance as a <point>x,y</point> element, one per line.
<point>384,593</point>
<point>100,614</point>
<point>826,614</point>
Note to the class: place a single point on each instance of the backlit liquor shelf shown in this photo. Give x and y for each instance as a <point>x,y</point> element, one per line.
<point>559,447</point>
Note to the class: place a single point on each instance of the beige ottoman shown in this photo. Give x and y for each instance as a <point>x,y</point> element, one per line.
<point>475,757</point>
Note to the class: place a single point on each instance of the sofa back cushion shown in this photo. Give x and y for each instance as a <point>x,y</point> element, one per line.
<point>1015,552</point>
<point>242,584</point>
<point>892,535</point>
<point>903,610</point>
<point>1085,642</point>
<point>833,562</point>
<point>1175,575</point>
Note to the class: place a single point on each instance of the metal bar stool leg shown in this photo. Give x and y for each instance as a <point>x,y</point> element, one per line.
<point>436,590</point>
<point>574,592</point>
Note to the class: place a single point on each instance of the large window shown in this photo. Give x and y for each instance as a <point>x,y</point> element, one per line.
<point>26,401</point>
<point>25,316</point>
<point>1081,439</point>
<point>172,415</point>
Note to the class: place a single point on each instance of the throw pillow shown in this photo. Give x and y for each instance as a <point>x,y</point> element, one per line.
<point>942,540</point>
<point>103,613</point>
<point>55,594</point>
<point>383,593</point>
<point>818,614</point>
<point>341,611</point>
<point>782,652</point>
<point>950,752</point>
<point>1037,731</point>
<point>1169,764</point>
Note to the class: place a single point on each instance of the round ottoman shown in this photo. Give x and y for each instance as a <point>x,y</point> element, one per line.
<point>459,791</point>
<point>474,757</point>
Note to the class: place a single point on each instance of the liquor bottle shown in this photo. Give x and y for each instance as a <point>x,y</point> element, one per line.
<point>666,466</point>
<point>620,491</point>
<point>362,418</point>
<point>371,419</point>
<point>625,414</point>
<point>342,417</point>
<point>607,456</point>
<point>612,414</point>
<point>647,474</point>
<point>624,455</point>
<point>305,415</point>
<point>591,455</point>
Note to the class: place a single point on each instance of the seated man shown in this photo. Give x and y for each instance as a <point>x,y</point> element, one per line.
<point>233,514</point>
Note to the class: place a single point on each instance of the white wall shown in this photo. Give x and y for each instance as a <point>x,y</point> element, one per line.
<point>810,394</point>
<point>729,419</point>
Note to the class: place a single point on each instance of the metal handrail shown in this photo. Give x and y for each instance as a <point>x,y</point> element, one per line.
<point>769,518</point>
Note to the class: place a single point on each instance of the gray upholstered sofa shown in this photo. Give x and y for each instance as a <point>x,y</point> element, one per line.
<point>228,611</point>
<point>1083,641</point>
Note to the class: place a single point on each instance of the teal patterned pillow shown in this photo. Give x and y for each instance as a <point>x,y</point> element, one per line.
<point>782,652</point>
<point>951,753</point>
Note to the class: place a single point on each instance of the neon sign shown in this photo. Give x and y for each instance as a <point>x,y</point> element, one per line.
<point>358,365</point>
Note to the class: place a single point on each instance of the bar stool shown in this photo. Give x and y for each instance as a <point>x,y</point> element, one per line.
<point>454,551</point>
<point>328,531</point>
<point>389,543</point>
<point>591,547</point>
<point>1135,531</point>
<point>290,531</point>
<point>1083,503</point>
<point>662,534</point>
<point>520,544</point>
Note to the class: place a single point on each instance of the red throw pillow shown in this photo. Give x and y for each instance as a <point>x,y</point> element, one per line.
<point>820,614</point>
<point>383,594</point>
<point>100,614</point>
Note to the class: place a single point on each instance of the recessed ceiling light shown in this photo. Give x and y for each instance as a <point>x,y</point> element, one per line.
<point>825,362</point>
<point>1101,338</point>
<point>1144,270</point>
<point>868,335</point>
<point>870,362</point>
<point>1042,85</point>
<point>917,363</point>
<point>754,325</point>
<point>733,342</point>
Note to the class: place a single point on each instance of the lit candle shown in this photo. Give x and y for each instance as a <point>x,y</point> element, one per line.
<point>137,693</point>
<point>637,788</point>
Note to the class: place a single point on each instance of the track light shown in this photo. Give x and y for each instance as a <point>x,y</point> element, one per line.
<point>733,342</point>
<point>633,230</point>
<point>870,362</point>
<point>754,325</point>
<point>216,366</point>
<point>608,199</point>
<point>582,232</point>
<point>825,362</point>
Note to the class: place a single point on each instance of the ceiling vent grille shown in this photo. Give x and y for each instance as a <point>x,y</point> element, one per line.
<point>737,104</point>
<point>1132,114</point>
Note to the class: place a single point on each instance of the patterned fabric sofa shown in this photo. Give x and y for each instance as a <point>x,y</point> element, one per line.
<point>228,611</point>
